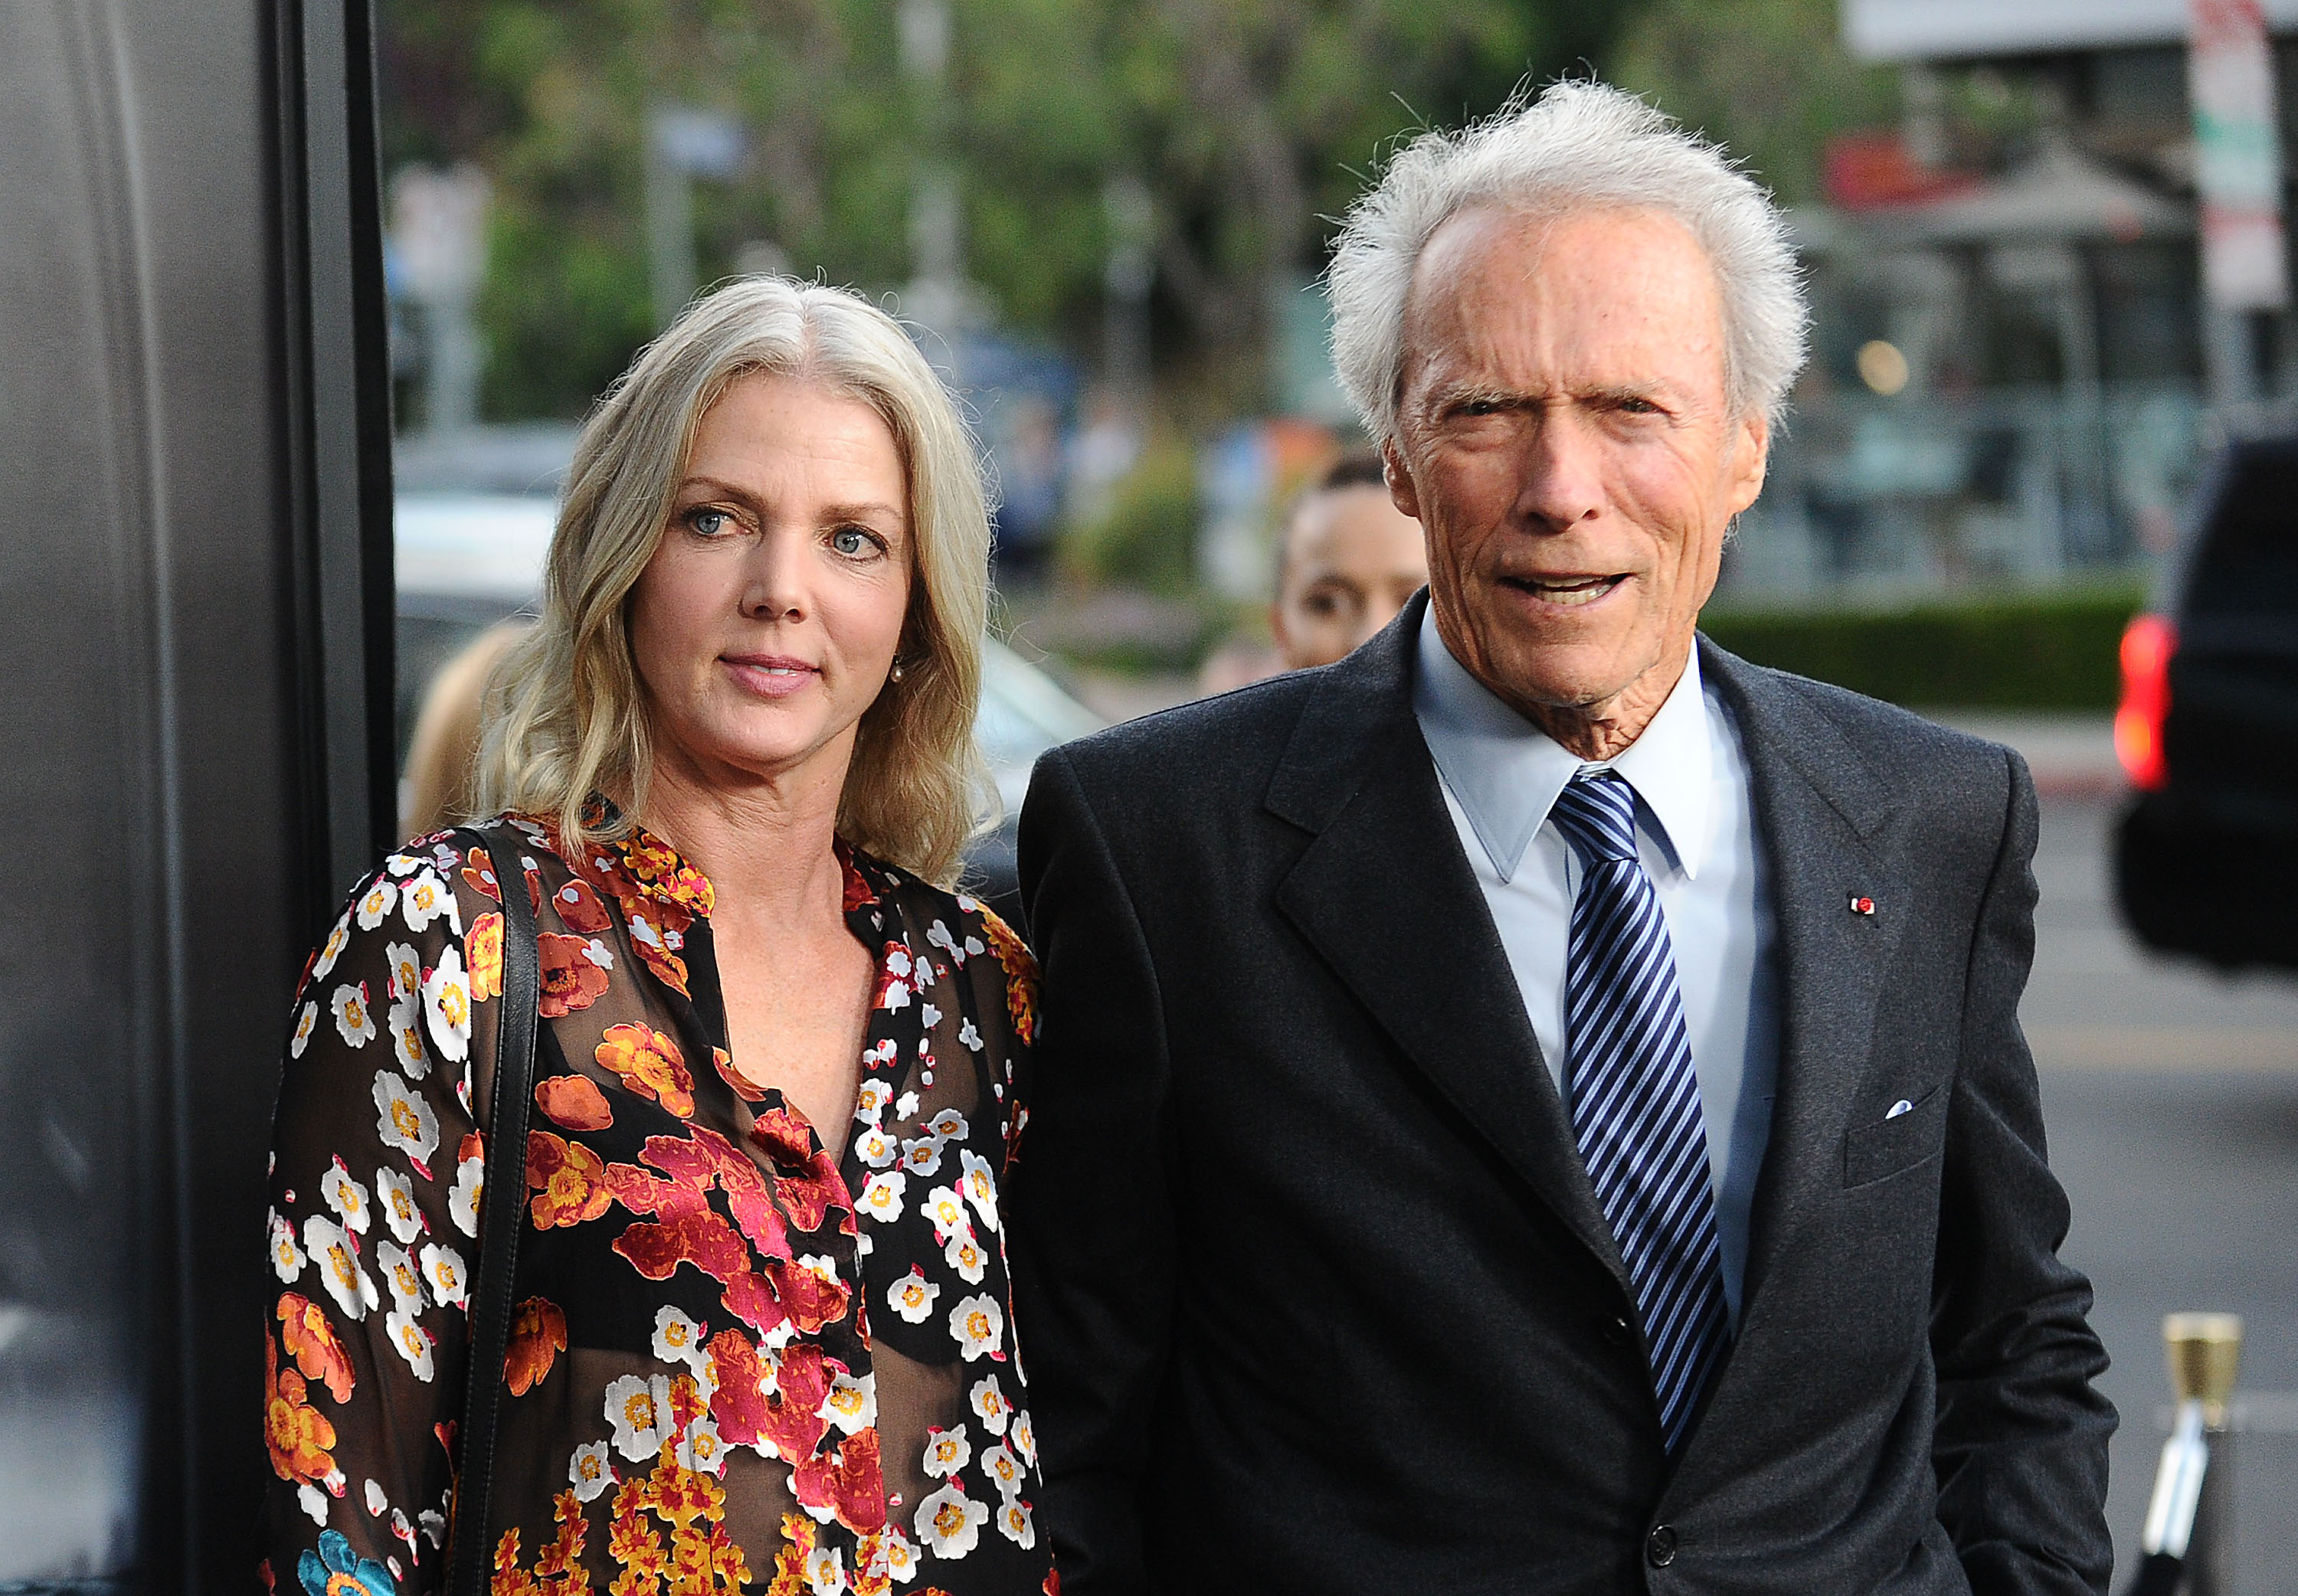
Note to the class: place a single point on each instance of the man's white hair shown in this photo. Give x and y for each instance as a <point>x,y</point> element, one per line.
<point>1579,146</point>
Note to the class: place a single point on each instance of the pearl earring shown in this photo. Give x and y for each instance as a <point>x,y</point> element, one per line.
<point>896,673</point>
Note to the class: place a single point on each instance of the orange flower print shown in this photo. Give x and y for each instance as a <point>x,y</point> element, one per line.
<point>572,978</point>
<point>1021,975</point>
<point>538,1334</point>
<point>297,1433</point>
<point>651,1064</point>
<point>479,871</point>
<point>569,1181</point>
<point>574,1101</point>
<point>579,908</point>
<point>312,1343</point>
<point>484,950</point>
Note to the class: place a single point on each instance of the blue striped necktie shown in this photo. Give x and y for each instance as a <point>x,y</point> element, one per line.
<point>1635,1100</point>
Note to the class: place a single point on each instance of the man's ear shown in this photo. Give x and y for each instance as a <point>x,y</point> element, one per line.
<point>1751,457</point>
<point>1402,491</point>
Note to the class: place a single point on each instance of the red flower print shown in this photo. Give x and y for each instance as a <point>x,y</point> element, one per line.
<point>848,1480</point>
<point>479,871</point>
<point>574,1101</point>
<point>738,1400</point>
<point>572,981</point>
<point>689,1231</point>
<point>811,1301</point>
<point>569,1181</point>
<point>727,1074</point>
<point>651,1064</point>
<point>538,1334</point>
<point>579,908</point>
<point>312,1343</point>
<point>483,952</point>
<point>805,1173</point>
<point>1021,975</point>
<point>795,1423</point>
<point>297,1433</point>
<point>859,893</point>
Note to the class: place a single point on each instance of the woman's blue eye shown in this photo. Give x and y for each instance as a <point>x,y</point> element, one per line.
<point>850,540</point>
<point>709,522</point>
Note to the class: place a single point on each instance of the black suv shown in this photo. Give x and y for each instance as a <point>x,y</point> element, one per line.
<point>2207,856</point>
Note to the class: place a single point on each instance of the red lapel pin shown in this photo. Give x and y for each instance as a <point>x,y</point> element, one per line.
<point>1862,905</point>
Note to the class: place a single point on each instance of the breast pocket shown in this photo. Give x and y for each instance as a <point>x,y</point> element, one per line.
<point>1904,1137</point>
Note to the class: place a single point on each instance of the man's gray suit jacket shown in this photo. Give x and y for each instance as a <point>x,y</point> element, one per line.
<point>1313,1292</point>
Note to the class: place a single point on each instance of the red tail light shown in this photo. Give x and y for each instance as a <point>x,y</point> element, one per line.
<point>2147,644</point>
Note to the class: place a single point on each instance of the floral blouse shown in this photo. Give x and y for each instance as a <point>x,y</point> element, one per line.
<point>733,1362</point>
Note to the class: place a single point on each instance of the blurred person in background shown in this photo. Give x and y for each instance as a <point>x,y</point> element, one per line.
<point>1348,562</point>
<point>439,786</point>
<point>1540,1105</point>
<point>762,1333</point>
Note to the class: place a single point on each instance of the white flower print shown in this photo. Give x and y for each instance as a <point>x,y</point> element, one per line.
<point>912,1295</point>
<point>823,1265</point>
<point>929,1016</point>
<point>874,1147</point>
<point>378,902</point>
<point>901,1556</point>
<point>377,1503</point>
<point>287,1259</point>
<point>988,1399</point>
<point>949,1124</point>
<point>404,1120</point>
<point>589,1471</point>
<point>1013,1524</point>
<point>947,1210</point>
<point>881,1195</point>
<point>980,1186</point>
<point>872,1100</point>
<point>401,1276</point>
<point>1024,1438</point>
<point>598,954</point>
<point>339,1266</point>
<point>412,1340</point>
<point>826,1571</point>
<point>921,1155</point>
<point>406,1022</point>
<point>346,1196</point>
<point>406,969</point>
<point>354,1018</point>
<point>333,947</point>
<point>425,899</point>
<point>950,1522</point>
<point>972,1037</point>
<point>966,1257</point>
<point>700,1448</point>
<point>678,1339</point>
<point>639,1408</point>
<point>1003,1469</point>
<point>938,936</point>
<point>443,1270</point>
<point>877,1056</point>
<point>979,1325</point>
<point>852,1403</point>
<point>463,1196</point>
<point>395,1194</point>
<point>946,1451</point>
<point>305,1023</point>
<point>435,1526</point>
<point>402,865</point>
<point>313,1501</point>
<point>447,1004</point>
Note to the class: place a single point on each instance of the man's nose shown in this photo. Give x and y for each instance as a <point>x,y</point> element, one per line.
<point>1562,481</point>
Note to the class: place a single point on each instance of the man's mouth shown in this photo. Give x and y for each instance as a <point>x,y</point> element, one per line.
<point>1566,591</point>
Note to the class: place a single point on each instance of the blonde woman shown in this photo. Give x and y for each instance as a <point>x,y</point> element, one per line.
<point>763,1335</point>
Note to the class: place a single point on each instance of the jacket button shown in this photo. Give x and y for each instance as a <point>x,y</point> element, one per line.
<point>1660,1546</point>
<point>1617,1330</point>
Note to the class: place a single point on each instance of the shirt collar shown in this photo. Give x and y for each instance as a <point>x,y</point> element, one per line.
<point>1506,773</point>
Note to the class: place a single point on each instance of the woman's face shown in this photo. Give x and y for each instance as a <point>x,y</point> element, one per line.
<point>768,619</point>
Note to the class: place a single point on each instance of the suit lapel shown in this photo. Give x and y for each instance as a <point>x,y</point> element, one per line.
<point>1386,897</point>
<point>1824,819</point>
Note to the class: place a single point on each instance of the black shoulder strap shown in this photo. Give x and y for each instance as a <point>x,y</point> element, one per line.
<point>501,1202</point>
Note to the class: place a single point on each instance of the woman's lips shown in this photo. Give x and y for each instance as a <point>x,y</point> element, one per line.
<point>770,675</point>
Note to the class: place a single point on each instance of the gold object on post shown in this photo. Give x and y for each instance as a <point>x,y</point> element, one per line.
<point>2204,1354</point>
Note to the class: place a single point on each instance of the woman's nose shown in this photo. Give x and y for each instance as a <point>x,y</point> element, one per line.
<point>775,579</point>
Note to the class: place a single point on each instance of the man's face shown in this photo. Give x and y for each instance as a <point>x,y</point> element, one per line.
<point>1564,436</point>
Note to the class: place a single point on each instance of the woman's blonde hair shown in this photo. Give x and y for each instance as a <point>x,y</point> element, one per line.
<point>566,716</point>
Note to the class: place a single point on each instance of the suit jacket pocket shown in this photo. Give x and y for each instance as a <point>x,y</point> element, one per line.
<point>1896,1142</point>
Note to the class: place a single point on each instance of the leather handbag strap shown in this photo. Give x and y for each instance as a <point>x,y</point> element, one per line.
<point>501,1203</point>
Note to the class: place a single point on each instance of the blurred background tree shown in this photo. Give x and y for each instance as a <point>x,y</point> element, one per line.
<point>1247,121</point>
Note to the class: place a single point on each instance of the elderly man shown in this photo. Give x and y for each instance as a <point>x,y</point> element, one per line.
<point>1538,1104</point>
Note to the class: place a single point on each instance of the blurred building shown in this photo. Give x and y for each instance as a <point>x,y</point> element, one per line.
<point>2013,360</point>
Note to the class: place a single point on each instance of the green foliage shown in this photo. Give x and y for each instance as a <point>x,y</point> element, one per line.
<point>1247,119</point>
<point>1147,536</point>
<point>1768,78</point>
<point>2012,651</point>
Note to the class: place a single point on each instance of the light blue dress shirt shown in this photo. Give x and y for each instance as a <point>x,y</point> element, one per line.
<point>1696,835</point>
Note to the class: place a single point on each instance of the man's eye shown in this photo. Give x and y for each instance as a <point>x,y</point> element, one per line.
<point>1481,406</point>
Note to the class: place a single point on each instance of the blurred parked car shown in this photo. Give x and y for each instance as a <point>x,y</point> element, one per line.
<point>467,560</point>
<point>2207,854</point>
